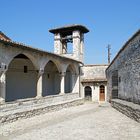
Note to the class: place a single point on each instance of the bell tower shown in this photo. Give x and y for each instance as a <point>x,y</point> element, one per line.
<point>70,35</point>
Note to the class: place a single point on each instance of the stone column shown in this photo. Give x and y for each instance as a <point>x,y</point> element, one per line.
<point>57,44</point>
<point>2,87</point>
<point>62,84</point>
<point>82,48</point>
<point>105,93</point>
<point>39,84</point>
<point>92,93</point>
<point>77,84</point>
<point>76,44</point>
<point>64,48</point>
<point>73,82</point>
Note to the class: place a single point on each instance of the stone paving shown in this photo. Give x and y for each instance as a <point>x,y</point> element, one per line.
<point>85,122</point>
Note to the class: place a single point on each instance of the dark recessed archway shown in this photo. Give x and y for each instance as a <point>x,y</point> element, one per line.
<point>21,78</point>
<point>51,79</point>
<point>70,79</point>
<point>88,93</point>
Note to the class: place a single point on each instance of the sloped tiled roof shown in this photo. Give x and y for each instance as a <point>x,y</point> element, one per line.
<point>23,46</point>
<point>69,28</point>
<point>3,36</point>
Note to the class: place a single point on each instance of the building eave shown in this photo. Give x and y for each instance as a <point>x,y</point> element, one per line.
<point>69,28</point>
<point>23,46</point>
<point>124,47</point>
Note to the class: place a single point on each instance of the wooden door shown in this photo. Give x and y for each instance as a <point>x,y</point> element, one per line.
<point>102,93</point>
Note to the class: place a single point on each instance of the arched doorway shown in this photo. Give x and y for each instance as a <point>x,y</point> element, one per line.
<point>70,79</point>
<point>51,80</point>
<point>102,93</point>
<point>88,93</point>
<point>21,78</point>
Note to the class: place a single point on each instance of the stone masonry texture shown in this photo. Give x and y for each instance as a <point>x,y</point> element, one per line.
<point>128,108</point>
<point>127,63</point>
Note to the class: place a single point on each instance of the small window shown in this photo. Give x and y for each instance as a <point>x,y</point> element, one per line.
<point>25,69</point>
<point>119,79</point>
<point>48,75</point>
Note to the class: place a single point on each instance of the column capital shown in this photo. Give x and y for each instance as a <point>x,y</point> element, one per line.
<point>40,72</point>
<point>74,74</point>
<point>62,74</point>
<point>2,77</point>
<point>2,72</point>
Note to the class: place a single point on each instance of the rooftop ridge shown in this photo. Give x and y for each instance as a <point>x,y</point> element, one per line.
<point>10,42</point>
<point>69,27</point>
<point>124,46</point>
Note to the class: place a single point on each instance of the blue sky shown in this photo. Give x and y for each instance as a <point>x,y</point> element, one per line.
<point>109,21</point>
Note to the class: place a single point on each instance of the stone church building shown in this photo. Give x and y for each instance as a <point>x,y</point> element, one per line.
<point>28,73</point>
<point>33,81</point>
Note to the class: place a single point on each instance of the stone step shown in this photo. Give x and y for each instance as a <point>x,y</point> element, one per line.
<point>128,108</point>
<point>35,101</point>
<point>29,111</point>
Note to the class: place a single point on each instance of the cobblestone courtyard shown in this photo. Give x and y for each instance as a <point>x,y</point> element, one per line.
<point>85,122</point>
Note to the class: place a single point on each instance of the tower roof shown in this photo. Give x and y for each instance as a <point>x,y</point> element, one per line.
<point>68,29</point>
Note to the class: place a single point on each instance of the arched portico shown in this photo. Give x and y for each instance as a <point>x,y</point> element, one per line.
<point>21,78</point>
<point>51,79</point>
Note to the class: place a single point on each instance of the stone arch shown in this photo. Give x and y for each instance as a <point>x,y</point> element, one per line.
<point>72,67</point>
<point>70,78</point>
<point>55,61</point>
<point>21,78</point>
<point>30,56</point>
<point>51,79</point>
<point>88,93</point>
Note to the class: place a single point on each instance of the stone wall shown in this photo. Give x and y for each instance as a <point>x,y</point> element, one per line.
<point>93,71</point>
<point>28,108</point>
<point>128,108</point>
<point>127,64</point>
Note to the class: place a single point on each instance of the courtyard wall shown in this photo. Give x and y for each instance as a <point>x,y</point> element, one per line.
<point>126,65</point>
